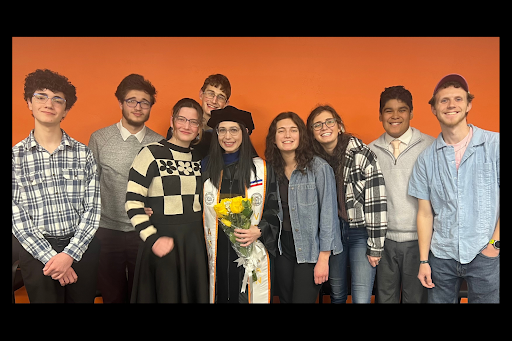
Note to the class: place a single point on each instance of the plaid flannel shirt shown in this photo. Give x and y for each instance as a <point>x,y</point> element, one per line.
<point>365,194</point>
<point>54,195</point>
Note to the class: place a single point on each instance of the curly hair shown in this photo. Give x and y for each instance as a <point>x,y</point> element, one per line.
<point>397,92</point>
<point>135,82</point>
<point>46,79</point>
<point>303,153</point>
<point>218,81</point>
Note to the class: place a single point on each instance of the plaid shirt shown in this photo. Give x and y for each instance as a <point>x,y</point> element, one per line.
<point>365,194</point>
<point>54,195</point>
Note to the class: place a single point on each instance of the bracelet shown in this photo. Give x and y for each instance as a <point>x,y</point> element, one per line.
<point>423,261</point>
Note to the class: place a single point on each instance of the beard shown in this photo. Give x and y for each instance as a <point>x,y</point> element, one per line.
<point>137,122</point>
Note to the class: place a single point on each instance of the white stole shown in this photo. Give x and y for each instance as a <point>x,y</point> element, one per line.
<point>259,291</point>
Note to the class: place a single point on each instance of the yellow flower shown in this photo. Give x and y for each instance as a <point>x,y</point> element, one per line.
<point>226,222</point>
<point>236,205</point>
<point>221,210</point>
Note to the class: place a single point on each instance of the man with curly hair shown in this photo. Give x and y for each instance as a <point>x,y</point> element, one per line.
<point>114,148</point>
<point>55,199</point>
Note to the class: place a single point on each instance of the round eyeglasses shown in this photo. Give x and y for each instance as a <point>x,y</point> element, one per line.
<point>220,98</point>
<point>233,131</point>
<point>330,122</point>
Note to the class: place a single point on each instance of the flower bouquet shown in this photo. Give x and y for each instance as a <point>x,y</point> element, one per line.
<point>234,213</point>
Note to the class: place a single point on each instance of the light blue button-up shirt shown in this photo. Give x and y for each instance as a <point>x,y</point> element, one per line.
<point>465,203</point>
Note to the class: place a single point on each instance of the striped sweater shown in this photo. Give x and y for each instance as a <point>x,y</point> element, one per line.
<point>166,178</point>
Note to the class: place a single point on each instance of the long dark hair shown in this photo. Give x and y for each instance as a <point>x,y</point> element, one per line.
<point>337,159</point>
<point>303,153</point>
<point>245,162</point>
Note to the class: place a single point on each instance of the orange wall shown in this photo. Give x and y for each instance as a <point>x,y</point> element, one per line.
<point>268,75</point>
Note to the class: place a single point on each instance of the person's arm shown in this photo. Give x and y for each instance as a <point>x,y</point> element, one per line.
<point>424,223</point>
<point>328,208</point>
<point>139,179</point>
<point>29,236</point>
<point>375,208</point>
<point>491,251</point>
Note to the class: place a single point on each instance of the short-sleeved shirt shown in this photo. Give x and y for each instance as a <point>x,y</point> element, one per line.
<point>465,203</point>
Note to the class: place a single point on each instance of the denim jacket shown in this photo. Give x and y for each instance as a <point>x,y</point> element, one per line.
<point>313,210</point>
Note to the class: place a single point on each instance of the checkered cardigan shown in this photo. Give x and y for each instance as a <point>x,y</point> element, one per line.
<point>365,194</point>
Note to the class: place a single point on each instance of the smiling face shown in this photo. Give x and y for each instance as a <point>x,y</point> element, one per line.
<point>184,131</point>
<point>49,113</point>
<point>395,117</point>
<point>212,103</point>
<point>287,135</point>
<point>326,136</point>
<point>230,136</point>
<point>451,106</point>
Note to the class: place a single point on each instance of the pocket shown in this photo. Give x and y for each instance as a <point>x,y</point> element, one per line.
<point>32,185</point>
<point>306,195</point>
<point>74,179</point>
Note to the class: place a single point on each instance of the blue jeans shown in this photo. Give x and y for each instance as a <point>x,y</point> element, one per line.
<point>362,273</point>
<point>482,275</point>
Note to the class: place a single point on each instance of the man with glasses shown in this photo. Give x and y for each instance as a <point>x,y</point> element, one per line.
<point>114,148</point>
<point>214,94</point>
<point>55,199</point>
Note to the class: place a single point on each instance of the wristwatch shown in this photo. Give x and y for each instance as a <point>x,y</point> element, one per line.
<point>495,243</point>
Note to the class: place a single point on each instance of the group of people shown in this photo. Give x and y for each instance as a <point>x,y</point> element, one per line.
<point>132,214</point>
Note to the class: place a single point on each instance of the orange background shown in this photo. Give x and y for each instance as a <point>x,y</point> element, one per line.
<point>268,75</point>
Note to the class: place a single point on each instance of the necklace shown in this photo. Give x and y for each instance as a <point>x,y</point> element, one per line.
<point>462,146</point>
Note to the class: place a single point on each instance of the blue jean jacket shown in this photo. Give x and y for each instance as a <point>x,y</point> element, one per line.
<point>313,207</point>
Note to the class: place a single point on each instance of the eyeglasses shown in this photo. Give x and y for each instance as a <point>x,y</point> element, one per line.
<point>183,120</point>
<point>220,98</point>
<point>330,122</point>
<point>43,98</point>
<point>234,131</point>
<point>132,103</point>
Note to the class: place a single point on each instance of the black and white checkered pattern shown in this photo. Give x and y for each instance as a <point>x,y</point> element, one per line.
<point>166,178</point>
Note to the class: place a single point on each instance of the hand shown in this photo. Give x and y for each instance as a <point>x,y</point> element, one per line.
<point>148,211</point>
<point>247,237</point>
<point>69,277</point>
<point>490,251</point>
<point>57,266</point>
<point>424,275</point>
<point>163,246</point>
<point>321,271</point>
<point>374,261</point>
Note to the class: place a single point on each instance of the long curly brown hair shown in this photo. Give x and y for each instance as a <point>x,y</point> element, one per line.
<point>303,154</point>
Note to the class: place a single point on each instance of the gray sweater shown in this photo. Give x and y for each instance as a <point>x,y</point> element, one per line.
<point>402,208</point>
<point>114,158</point>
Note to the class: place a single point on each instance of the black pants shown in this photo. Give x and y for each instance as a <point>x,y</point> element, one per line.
<point>117,264</point>
<point>296,282</point>
<point>44,289</point>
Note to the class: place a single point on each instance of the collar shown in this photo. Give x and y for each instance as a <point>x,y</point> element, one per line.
<point>125,133</point>
<point>477,138</point>
<point>230,158</point>
<point>404,138</point>
<point>64,142</point>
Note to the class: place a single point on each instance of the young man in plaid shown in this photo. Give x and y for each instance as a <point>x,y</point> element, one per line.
<point>55,199</point>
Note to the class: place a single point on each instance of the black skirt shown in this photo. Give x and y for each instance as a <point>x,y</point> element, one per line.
<point>181,276</point>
